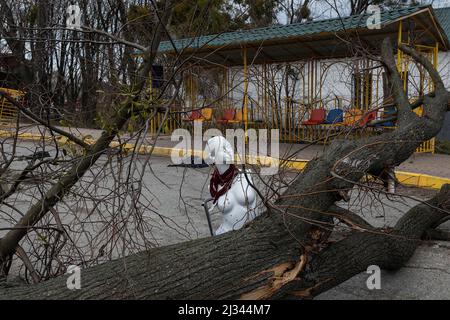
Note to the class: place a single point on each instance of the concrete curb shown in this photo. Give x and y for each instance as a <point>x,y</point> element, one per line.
<point>419,180</point>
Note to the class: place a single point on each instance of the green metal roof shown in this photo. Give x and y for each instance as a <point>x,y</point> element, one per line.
<point>280,32</point>
<point>443,16</point>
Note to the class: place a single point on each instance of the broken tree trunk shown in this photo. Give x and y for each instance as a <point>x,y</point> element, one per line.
<point>259,262</point>
<point>282,252</point>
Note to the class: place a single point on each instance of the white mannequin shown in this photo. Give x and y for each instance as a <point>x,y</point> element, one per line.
<point>238,205</point>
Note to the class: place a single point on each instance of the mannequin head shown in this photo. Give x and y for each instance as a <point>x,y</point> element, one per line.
<point>219,152</point>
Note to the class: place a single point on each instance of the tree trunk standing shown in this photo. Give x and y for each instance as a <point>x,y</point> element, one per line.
<point>360,6</point>
<point>40,90</point>
<point>88,86</point>
<point>59,99</point>
<point>23,73</point>
<point>127,63</point>
<point>88,66</point>
<point>61,58</point>
<point>73,90</point>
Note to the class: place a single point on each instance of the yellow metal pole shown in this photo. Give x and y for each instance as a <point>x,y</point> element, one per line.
<point>1,109</point>
<point>399,52</point>
<point>400,55</point>
<point>436,55</point>
<point>377,93</point>
<point>304,83</point>
<point>435,58</point>
<point>405,74</point>
<point>265,104</point>
<point>191,89</point>
<point>245,111</point>
<point>436,63</point>
<point>311,79</point>
<point>321,80</point>
<point>227,80</point>
<point>365,86</point>
<point>195,84</point>
<point>358,84</point>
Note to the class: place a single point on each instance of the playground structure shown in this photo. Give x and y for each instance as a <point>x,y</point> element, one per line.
<point>303,80</point>
<point>8,113</point>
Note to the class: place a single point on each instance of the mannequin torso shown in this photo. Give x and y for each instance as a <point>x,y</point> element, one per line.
<point>238,205</point>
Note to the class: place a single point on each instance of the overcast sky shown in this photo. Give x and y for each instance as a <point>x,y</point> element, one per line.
<point>324,9</point>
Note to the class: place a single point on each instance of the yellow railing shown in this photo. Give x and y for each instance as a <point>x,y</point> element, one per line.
<point>8,113</point>
<point>264,108</point>
<point>172,122</point>
<point>427,147</point>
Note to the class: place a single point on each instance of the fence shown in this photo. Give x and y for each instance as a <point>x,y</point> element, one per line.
<point>8,112</point>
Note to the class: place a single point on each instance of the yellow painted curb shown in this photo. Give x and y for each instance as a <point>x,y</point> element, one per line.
<point>406,178</point>
<point>22,136</point>
<point>421,180</point>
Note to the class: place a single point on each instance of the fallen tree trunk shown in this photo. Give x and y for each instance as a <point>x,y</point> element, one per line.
<point>261,261</point>
<point>281,253</point>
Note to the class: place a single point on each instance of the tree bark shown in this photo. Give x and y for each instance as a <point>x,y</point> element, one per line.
<point>281,253</point>
<point>259,262</point>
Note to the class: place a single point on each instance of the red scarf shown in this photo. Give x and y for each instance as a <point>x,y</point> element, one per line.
<point>225,180</point>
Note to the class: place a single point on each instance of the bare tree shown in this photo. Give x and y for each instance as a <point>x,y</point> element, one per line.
<point>285,252</point>
<point>69,175</point>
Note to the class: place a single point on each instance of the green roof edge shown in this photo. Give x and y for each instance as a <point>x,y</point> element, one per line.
<point>307,28</point>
